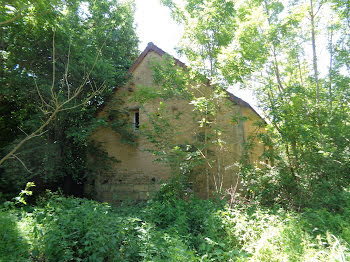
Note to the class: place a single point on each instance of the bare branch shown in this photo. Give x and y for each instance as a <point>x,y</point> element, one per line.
<point>34,134</point>
<point>23,131</point>
<point>59,107</point>
<point>25,167</point>
<point>99,52</point>
<point>318,9</point>
<point>53,95</point>
<point>100,90</point>
<point>40,134</point>
<point>67,67</point>
<point>206,160</point>
<point>41,97</point>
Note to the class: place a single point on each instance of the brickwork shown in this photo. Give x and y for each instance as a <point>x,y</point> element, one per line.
<point>136,175</point>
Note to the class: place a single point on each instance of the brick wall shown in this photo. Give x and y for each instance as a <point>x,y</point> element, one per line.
<point>136,175</point>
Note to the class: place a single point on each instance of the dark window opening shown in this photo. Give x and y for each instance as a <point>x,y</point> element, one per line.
<point>136,120</point>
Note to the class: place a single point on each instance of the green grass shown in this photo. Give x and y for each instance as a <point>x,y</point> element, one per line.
<point>72,229</point>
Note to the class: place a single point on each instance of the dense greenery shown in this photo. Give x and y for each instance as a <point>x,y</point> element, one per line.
<point>170,229</point>
<point>274,48</point>
<point>50,52</point>
<point>297,209</point>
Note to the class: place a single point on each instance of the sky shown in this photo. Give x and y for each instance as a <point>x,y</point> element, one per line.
<point>154,24</point>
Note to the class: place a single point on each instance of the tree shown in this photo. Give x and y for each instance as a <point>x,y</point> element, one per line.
<point>201,85</point>
<point>95,43</point>
<point>266,48</point>
<point>209,27</point>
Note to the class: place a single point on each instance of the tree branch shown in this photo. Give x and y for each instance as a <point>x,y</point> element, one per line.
<point>3,23</point>
<point>59,107</point>
<point>25,167</point>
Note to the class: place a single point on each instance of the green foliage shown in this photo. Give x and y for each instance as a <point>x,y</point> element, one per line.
<point>281,236</point>
<point>13,245</point>
<point>171,229</point>
<point>60,234</point>
<point>265,48</point>
<point>26,192</point>
<point>304,94</point>
<point>52,46</point>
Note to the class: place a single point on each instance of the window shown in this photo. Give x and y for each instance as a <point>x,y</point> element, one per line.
<point>136,120</point>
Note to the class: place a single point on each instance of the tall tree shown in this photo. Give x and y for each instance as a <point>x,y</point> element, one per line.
<point>204,36</point>
<point>272,47</point>
<point>94,45</point>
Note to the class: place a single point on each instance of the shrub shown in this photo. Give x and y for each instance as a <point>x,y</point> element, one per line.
<point>73,229</point>
<point>280,236</point>
<point>13,246</point>
<point>170,229</point>
<point>81,230</point>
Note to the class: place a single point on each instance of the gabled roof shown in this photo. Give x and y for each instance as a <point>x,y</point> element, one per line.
<point>153,48</point>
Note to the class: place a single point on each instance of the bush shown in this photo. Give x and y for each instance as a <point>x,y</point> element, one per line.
<point>76,229</point>
<point>280,236</point>
<point>170,229</point>
<point>73,229</point>
<point>274,185</point>
<point>196,222</point>
<point>13,246</point>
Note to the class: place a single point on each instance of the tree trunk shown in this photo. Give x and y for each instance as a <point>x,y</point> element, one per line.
<point>314,59</point>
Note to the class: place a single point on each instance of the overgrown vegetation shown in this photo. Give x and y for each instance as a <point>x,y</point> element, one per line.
<point>296,209</point>
<point>60,60</point>
<point>170,228</point>
<point>273,47</point>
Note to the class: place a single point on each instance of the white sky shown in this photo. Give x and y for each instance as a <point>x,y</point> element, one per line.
<point>154,24</point>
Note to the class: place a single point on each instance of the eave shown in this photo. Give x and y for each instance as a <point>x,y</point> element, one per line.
<point>153,48</point>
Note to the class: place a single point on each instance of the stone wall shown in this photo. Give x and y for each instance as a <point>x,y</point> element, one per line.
<point>136,175</point>
<point>121,185</point>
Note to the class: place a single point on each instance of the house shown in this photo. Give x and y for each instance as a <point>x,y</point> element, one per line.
<point>136,175</point>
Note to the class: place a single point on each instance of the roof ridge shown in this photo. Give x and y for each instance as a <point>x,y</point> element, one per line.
<point>152,47</point>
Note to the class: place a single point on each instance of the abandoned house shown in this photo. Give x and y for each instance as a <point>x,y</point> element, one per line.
<point>136,175</point>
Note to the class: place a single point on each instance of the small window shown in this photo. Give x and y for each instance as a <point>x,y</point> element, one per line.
<point>136,120</point>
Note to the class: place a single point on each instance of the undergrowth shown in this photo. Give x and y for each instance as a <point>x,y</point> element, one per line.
<point>62,228</point>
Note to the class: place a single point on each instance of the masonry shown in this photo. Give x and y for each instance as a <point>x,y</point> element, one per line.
<point>136,176</point>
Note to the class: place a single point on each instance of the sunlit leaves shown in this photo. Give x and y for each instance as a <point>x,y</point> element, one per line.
<point>55,44</point>
<point>295,54</point>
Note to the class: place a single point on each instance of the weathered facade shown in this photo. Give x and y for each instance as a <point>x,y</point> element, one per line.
<point>136,175</point>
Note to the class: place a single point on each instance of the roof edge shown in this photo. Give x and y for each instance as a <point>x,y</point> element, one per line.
<point>153,48</point>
